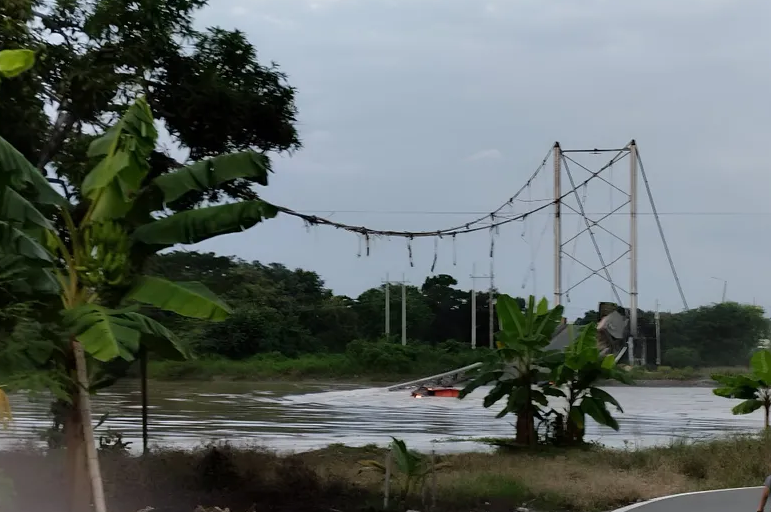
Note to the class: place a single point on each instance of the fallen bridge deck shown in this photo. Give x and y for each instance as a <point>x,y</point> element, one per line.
<point>446,378</point>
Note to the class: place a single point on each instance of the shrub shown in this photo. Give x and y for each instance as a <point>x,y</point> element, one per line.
<point>682,357</point>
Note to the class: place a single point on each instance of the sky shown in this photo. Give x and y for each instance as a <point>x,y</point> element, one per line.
<point>423,114</point>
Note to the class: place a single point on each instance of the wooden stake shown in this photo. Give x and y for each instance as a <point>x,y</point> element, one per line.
<point>387,486</point>
<point>433,479</point>
<point>92,459</point>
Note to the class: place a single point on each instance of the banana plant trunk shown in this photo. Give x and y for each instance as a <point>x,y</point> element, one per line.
<point>79,497</point>
<point>87,440</point>
<point>525,434</point>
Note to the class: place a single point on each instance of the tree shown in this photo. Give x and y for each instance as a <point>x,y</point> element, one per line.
<point>370,307</point>
<point>517,365</point>
<point>682,357</point>
<point>754,389</point>
<point>575,373</point>
<point>446,304</point>
<point>98,56</point>
<point>721,334</point>
<point>92,254</point>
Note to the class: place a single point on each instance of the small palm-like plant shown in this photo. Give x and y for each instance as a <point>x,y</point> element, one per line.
<point>754,389</point>
<point>575,374</point>
<point>412,466</point>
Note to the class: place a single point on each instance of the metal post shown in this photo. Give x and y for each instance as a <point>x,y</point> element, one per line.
<point>404,310</point>
<point>632,245</point>
<point>491,301</point>
<point>557,224</point>
<point>143,385</point>
<point>387,308</point>
<point>473,309</point>
<point>658,335</point>
<point>725,286</point>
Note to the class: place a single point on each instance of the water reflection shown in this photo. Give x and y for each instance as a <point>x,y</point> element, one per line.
<point>296,417</point>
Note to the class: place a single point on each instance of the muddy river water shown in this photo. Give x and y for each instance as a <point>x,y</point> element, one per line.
<point>298,417</point>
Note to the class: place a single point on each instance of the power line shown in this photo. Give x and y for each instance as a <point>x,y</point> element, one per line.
<point>429,212</point>
<point>469,227</point>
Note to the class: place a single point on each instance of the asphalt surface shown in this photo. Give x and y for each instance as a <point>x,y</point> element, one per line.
<point>729,500</point>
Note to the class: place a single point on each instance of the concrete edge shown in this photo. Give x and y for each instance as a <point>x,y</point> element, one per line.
<point>693,493</point>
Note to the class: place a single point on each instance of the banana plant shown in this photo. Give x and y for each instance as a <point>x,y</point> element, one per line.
<point>753,389</point>
<point>517,366</point>
<point>101,245</point>
<point>575,374</point>
<point>414,467</point>
<point>91,254</point>
<point>12,63</point>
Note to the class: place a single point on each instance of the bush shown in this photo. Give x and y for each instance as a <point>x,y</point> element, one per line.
<point>682,357</point>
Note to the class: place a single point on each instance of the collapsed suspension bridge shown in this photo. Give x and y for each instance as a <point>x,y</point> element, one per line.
<point>621,326</point>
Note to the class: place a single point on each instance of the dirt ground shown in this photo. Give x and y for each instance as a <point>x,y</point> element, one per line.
<point>329,480</point>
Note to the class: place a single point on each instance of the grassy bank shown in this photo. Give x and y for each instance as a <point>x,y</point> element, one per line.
<point>383,367</point>
<point>373,362</point>
<point>581,480</point>
<point>667,373</point>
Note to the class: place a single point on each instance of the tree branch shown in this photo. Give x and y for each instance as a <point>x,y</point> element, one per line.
<point>64,122</point>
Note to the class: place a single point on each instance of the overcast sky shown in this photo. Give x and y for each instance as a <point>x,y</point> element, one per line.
<point>449,105</point>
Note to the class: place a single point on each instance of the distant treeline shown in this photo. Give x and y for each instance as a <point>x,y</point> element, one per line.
<point>278,310</point>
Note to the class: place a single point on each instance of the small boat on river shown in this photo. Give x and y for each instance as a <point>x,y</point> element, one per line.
<point>438,392</point>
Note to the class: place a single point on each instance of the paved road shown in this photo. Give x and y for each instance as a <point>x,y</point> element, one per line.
<point>728,500</point>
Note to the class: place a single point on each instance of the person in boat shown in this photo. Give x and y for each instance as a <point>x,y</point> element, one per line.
<point>422,391</point>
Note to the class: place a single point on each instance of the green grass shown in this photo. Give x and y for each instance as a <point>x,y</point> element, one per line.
<point>377,365</point>
<point>334,367</point>
<point>682,374</point>
<point>395,363</point>
<point>256,368</point>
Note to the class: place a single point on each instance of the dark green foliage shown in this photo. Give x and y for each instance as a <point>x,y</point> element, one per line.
<point>682,357</point>
<point>95,57</point>
<point>753,388</point>
<point>575,376</point>
<point>277,309</point>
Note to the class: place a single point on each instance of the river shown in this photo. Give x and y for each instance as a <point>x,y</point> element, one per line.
<point>297,417</point>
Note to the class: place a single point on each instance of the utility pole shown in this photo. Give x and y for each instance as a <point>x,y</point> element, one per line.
<point>725,286</point>
<point>632,248</point>
<point>473,308</point>
<point>557,224</point>
<point>658,335</point>
<point>387,308</point>
<point>404,311</point>
<point>491,306</point>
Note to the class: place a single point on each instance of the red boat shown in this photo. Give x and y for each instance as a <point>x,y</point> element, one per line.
<point>444,392</point>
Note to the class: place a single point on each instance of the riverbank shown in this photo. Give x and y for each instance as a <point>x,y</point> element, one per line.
<point>581,480</point>
<point>345,368</point>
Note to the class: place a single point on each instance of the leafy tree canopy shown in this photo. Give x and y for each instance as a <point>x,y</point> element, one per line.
<point>305,316</point>
<point>95,57</point>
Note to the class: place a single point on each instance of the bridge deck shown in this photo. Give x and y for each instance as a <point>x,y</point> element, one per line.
<point>452,375</point>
